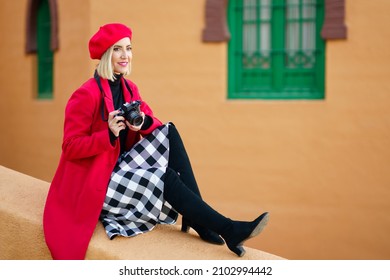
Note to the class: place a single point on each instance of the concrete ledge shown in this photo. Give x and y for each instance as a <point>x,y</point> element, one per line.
<point>22,200</point>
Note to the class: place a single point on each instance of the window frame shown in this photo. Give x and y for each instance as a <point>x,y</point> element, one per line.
<point>43,43</point>
<point>45,56</point>
<point>277,72</point>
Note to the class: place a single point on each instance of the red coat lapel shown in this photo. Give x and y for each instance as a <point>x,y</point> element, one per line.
<point>107,95</point>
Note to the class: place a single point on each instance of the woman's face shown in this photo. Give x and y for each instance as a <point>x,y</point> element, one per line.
<point>121,56</point>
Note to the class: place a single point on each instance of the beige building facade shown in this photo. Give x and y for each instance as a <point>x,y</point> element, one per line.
<point>320,167</point>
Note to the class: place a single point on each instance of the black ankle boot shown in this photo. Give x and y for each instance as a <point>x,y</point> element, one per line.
<point>239,232</point>
<point>205,234</point>
<point>191,206</point>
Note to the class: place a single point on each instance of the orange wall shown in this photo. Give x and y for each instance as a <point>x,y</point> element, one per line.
<point>32,129</point>
<point>319,167</point>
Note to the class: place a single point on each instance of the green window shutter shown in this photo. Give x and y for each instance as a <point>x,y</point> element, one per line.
<point>276,51</point>
<point>44,52</point>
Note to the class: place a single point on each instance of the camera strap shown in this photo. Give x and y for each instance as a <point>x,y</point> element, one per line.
<point>97,79</point>
<point>128,88</point>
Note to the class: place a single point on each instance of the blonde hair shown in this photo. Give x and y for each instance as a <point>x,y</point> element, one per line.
<point>105,68</point>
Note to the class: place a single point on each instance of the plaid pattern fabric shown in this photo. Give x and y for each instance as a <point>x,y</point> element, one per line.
<point>134,201</point>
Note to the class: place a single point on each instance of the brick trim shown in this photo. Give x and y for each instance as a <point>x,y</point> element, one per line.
<point>216,29</point>
<point>31,25</point>
<point>334,26</point>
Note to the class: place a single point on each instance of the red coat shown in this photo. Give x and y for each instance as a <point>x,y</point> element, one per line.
<point>78,189</point>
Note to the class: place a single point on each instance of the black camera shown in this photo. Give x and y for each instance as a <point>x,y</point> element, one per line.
<point>131,112</point>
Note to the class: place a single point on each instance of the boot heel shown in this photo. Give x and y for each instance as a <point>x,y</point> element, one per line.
<point>184,226</point>
<point>204,234</point>
<point>238,250</point>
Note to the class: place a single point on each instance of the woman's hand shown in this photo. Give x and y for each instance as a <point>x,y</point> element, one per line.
<point>136,128</point>
<point>116,123</point>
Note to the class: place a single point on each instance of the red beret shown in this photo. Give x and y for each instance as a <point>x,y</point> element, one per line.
<point>107,35</point>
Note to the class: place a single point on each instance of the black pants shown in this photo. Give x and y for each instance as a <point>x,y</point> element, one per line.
<point>181,189</point>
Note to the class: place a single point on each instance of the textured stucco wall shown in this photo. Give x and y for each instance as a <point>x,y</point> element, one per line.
<point>319,167</point>
<point>22,200</point>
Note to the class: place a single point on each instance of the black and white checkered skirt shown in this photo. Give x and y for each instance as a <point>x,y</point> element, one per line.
<point>134,201</point>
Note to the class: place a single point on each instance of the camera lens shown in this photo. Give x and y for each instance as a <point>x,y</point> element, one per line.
<point>135,118</point>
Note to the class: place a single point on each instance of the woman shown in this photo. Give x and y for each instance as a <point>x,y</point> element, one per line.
<point>130,176</point>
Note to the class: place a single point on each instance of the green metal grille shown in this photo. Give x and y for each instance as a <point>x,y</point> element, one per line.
<point>44,52</point>
<point>276,51</point>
